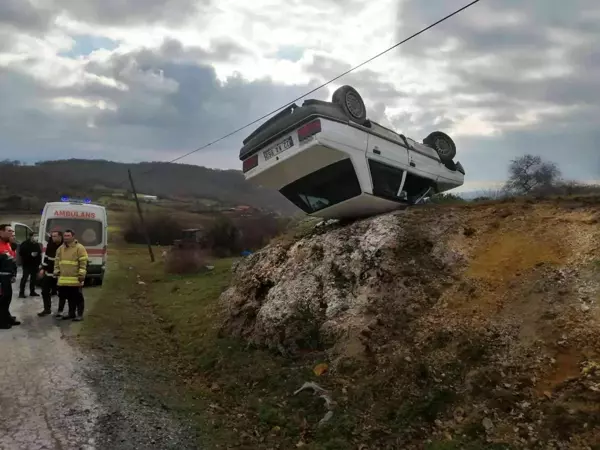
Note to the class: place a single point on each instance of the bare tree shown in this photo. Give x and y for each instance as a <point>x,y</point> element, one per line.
<point>531,173</point>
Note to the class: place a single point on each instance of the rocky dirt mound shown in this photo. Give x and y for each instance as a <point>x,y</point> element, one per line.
<point>459,324</point>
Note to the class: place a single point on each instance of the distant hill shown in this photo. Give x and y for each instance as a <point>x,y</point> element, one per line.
<point>28,187</point>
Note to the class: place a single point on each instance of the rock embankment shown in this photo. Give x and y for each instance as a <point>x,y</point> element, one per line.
<point>496,304</point>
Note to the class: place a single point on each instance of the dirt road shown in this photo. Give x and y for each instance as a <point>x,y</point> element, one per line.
<point>53,397</point>
<point>45,402</point>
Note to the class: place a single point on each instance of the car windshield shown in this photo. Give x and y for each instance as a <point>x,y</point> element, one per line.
<point>87,232</point>
<point>325,187</point>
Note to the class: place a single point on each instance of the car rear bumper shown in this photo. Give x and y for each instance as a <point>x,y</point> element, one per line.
<point>299,162</point>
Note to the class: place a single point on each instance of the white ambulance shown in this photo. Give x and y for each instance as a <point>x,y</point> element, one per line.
<point>89,222</point>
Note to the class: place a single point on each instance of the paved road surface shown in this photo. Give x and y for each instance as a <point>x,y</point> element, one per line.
<point>53,397</point>
<point>45,402</point>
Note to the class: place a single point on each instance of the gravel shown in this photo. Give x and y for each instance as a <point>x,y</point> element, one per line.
<point>54,397</point>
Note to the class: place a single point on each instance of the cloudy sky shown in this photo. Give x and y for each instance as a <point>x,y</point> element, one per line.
<point>153,79</point>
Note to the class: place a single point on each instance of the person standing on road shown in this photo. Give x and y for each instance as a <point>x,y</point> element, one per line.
<point>49,281</point>
<point>70,267</point>
<point>8,274</point>
<point>30,252</point>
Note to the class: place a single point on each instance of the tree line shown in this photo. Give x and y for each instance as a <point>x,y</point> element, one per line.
<point>528,175</point>
<point>28,187</point>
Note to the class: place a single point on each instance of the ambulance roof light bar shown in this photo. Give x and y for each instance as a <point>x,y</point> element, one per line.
<point>66,199</point>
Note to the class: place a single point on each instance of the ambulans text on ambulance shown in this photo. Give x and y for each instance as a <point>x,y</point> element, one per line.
<point>75,214</point>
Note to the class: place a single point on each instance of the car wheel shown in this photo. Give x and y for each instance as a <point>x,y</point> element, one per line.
<point>442,144</point>
<point>351,103</point>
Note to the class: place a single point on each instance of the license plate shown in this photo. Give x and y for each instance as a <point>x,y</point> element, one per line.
<point>279,148</point>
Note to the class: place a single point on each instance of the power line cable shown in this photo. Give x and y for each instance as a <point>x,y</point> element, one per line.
<point>443,19</point>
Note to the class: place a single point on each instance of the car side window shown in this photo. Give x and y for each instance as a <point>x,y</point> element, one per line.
<point>416,186</point>
<point>21,233</point>
<point>386,180</point>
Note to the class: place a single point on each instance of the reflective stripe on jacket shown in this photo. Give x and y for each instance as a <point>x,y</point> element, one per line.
<point>8,260</point>
<point>70,264</point>
<point>49,256</point>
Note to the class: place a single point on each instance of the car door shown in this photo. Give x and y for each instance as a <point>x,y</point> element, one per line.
<point>386,152</point>
<point>387,162</point>
<point>423,160</point>
<point>22,233</point>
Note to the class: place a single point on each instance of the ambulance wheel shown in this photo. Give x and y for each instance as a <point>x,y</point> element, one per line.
<point>351,103</point>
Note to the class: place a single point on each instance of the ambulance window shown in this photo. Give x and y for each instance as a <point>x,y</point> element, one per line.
<point>89,235</point>
<point>87,232</point>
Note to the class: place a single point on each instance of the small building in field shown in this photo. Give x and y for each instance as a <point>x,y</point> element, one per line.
<point>147,198</point>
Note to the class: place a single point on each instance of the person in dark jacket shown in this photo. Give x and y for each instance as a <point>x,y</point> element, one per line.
<point>30,252</point>
<point>8,274</point>
<point>49,285</point>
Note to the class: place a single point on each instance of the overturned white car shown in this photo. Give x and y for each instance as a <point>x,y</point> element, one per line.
<point>332,162</point>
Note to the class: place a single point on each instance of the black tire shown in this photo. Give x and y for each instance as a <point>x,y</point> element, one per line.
<point>442,144</point>
<point>351,103</point>
<point>450,165</point>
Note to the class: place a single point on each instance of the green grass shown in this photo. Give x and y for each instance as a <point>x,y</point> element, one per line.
<point>166,330</point>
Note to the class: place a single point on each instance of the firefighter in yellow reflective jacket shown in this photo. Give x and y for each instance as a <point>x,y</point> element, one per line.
<point>70,268</point>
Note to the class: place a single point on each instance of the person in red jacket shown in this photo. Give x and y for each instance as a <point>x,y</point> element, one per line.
<point>8,275</point>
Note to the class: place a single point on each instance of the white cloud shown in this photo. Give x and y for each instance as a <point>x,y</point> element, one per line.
<point>503,77</point>
<point>65,102</point>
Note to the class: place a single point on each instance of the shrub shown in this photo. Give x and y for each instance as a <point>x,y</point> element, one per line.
<point>576,188</point>
<point>258,231</point>
<point>162,228</point>
<point>186,260</point>
<point>226,237</point>
<point>222,237</point>
<point>446,198</point>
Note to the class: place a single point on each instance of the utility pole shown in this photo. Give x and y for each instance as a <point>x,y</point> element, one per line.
<point>139,210</point>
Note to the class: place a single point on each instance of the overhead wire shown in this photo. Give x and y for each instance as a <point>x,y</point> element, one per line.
<point>237,130</point>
